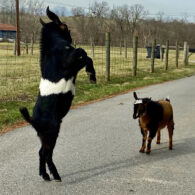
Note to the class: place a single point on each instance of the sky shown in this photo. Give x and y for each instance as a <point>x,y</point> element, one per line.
<point>171,8</point>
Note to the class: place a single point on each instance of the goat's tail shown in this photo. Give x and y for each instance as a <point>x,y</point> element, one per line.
<point>26,115</point>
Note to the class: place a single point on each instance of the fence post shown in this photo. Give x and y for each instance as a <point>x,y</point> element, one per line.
<point>161,52</point>
<point>32,45</point>
<point>167,55</point>
<point>185,54</point>
<point>125,49</point>
<point>26,46</point>
<point>135,46</point>
<point>75,45</point>
<point>92,49</point>
<point>153,55</point>
<point>177,54</point>
<point>120,48</point>
<point>108,55</point>
<point>14,49</point>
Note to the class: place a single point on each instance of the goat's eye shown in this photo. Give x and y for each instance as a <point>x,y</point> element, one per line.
<point>67,47</point>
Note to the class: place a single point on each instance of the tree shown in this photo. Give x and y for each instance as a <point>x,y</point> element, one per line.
<point>80,22</point>
<point>30,12</point>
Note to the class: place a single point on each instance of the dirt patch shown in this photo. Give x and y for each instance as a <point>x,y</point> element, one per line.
<point>15,126</point>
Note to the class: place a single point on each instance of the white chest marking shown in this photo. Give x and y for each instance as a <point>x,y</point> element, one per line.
<point>138,102</point>
<point>62,86</point>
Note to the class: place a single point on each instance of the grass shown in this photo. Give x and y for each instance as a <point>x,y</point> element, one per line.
<point>19,78</point>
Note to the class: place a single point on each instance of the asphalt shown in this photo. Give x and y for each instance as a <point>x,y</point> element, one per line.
<point>97,151</point>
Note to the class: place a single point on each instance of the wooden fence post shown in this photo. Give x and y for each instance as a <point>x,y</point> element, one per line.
<point>167,55</point>
<point>153,55</point>
<point>75,45</point>
<point>108,55</point>
<point>26,46</point>
<point>161,52</point>
<point>14,48</point>
<point>125,49</point>
<point>135,46</point>
<point>185,54</point>
<point>120,48</point>
<point>92,49</point>
<point>177,55</point>
<point>32,45</point>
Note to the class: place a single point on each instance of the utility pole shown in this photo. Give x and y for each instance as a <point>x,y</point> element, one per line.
<point>18,27</point>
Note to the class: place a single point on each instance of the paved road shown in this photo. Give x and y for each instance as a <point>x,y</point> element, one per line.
<point>97,150</point>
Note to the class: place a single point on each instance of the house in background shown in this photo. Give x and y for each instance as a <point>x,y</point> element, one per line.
<point>7,32</point>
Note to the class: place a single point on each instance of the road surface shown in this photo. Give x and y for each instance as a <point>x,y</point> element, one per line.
<point>97,151</point>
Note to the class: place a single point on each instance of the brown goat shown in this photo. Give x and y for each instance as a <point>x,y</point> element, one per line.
<point>153,116</point>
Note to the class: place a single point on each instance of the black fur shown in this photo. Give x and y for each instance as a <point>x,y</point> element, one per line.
<point>59,60</point>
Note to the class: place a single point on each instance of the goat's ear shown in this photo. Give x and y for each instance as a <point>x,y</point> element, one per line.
<point>53,17</point>
<point>42,22</point>
<point>135,95</point>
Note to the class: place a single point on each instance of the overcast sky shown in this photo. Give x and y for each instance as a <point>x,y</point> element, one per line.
<point>171,8</point>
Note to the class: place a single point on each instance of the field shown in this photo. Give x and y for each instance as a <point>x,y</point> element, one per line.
<point>19,76</point>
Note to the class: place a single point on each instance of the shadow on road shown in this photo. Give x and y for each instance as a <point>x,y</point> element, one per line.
<point>180,147</point>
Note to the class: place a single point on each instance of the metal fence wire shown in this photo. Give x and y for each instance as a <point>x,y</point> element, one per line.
<point>20,75</point>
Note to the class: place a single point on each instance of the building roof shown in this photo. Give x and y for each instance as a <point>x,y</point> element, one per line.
<point>7,27</point>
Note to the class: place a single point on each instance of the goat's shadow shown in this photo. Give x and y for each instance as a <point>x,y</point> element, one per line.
<point>181,147</point>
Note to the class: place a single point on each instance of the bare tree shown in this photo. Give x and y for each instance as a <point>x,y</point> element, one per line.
<point>99,10</point>
<point>97,21</point>
<point>80,20</point>
<point>30,13</point>
<point>136,12</point>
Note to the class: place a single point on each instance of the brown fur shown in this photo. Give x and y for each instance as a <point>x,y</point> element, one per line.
<point>152,127</point>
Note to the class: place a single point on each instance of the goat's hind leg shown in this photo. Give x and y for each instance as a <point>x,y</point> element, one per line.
<point>170,127</point>
<point>42,165</point>
<point>50,163</point>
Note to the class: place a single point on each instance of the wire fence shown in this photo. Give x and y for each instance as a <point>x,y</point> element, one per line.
<point>20,76</point>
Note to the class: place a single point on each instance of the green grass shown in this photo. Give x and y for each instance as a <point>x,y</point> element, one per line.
<point>19,78</point>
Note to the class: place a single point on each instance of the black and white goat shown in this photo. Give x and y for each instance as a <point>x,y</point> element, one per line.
<point>153,116</point>
<point>60,63</point>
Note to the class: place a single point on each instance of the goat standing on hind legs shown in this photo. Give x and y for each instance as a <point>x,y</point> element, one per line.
<point>153,116</point>
<point>60,64</point>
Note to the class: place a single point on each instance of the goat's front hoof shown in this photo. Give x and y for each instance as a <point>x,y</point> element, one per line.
<point>158,142</point>
<point>148,152</point>
<point>57,178</point>
<point>46,177</point>
<point>170,148</point>
<point>141,150</point>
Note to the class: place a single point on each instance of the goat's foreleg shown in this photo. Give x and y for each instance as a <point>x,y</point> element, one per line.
<point>158,137</point>
<point>89,68</point>
<point>144,138</point>
<point>150,138</point>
